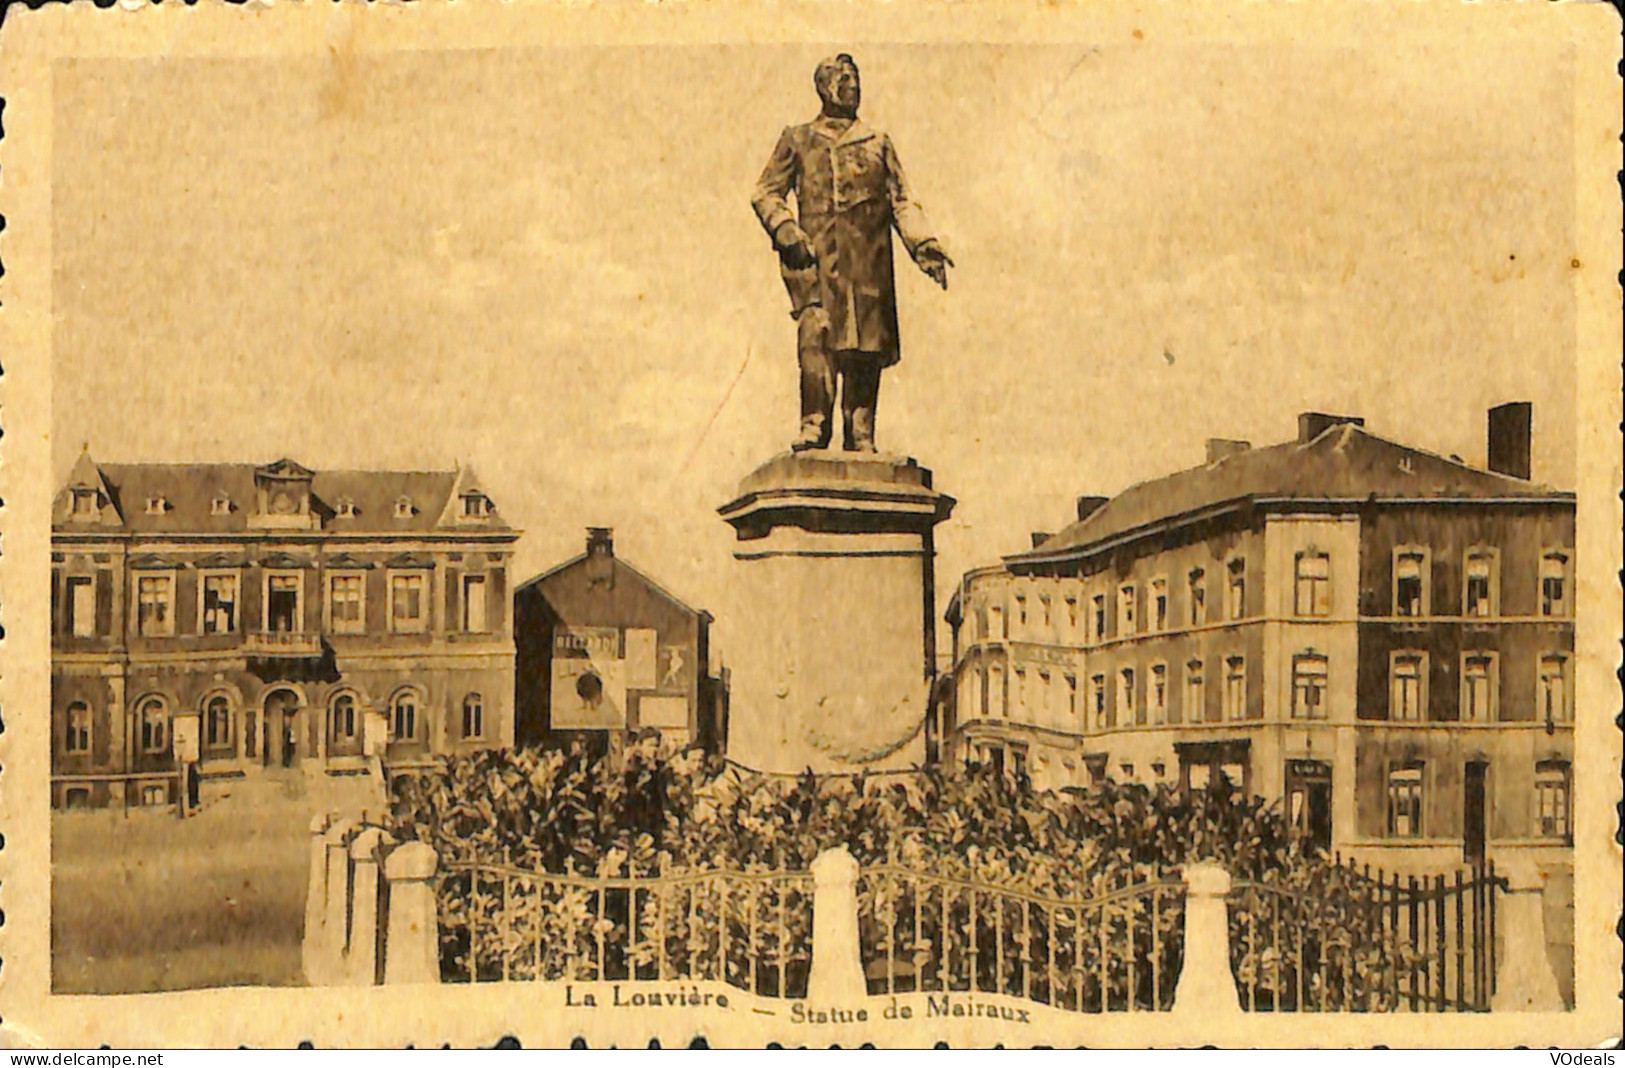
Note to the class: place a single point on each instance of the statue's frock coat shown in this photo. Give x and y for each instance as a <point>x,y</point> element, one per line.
<point>850,192</point>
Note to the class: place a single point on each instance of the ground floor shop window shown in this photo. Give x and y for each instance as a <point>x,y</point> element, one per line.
<point>1405,801</point>
<point>1552,798</point>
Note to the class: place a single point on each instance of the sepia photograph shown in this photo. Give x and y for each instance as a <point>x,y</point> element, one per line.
<point>1052,526</point>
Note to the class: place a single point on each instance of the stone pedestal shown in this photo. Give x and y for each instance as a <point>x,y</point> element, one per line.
<point>835,645</point>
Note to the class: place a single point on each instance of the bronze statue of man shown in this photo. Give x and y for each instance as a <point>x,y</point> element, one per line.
<point>837,261</point>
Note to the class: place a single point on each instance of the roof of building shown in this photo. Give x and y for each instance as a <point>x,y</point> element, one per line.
<point>1343,462</point>
<point>620,564</point>
<point>187,495</point>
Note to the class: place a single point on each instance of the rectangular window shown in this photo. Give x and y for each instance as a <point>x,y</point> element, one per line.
<point>1127,698</point>
<point>995,617</point>
<point>1405,801</point>
<point>81,599</point>
<point>1309,686</point>
<point>219,604</point>
<point>1312,589</point>
<point>155,606</point>
<point>1198,596</point>
<point>1410,585</point>
<point>1235,688</point>
<point>283,608</point>
<point>1159,693</point>
<point>77,739</point>
<point>1552,799</point>
<point>1019,678</point>
<point>1407,697</point>
<point>474,603</point>
<point>1097,700</point>
<point>1021,609</point>
<point>1044,611</point>
<point>1099,617</point>
<point>346,603</point>
<point>1478,689</point>
<point>84,503</point>
<point>1554,584</point>
<point>1237,590</point>
<point>1553,691</point>
<point>1071,699</point>
<point>1071,615</point>
<point>1125,611</point>
<point>1479,592</point>
<point>1195,693</point>
<point>1159,604</point>
<point>408,606</point>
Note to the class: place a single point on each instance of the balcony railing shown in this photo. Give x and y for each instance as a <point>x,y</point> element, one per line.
<point>282,643</point>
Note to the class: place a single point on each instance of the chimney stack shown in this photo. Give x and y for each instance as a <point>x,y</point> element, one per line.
<point>1219,448</point>
<point>1088,506</point>
<point>600,541</point>
<point>1511,433</point>
<point>1313,424</point>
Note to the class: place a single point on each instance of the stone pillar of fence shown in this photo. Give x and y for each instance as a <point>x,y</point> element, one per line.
<point>315,903</point>
<point>1207,989</point>
<point>336,924</point>
<point>837,959</point>
<point>1524,980</point>
<point>412,942</point>
<point>361,956</point>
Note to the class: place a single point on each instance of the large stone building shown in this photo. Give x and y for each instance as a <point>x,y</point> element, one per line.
<point>1380,637</point>
<point>603,650</point>
<point>271,617</point>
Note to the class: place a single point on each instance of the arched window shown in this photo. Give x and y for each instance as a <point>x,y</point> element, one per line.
<point>154,726</point>
<point>217,723</point>
<point>343,718</point>
<point>404,716</point>
<point>76,737</point>
<point>473,716</point>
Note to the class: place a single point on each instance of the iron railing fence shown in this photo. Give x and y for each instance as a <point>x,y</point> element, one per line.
<point>1119,951</point>
<point>1342,938</point>
<point>749,929</point>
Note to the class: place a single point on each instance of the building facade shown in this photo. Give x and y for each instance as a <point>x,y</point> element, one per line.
<point>604,650</point>
<point>244,618</point>
<point>1379,637</point>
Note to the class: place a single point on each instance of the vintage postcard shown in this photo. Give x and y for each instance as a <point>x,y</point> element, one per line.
<point>1026,523</point>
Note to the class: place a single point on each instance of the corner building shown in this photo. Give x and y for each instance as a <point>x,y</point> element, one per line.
<point>321,621</point>
<point>1380,637</point>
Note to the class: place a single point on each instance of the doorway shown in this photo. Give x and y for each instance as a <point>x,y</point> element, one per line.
<point>281,747</point>
<point>1309,801</point>
<point>1474,814</point>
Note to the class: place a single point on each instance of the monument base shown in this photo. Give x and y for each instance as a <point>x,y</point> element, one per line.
<point>832,659</point>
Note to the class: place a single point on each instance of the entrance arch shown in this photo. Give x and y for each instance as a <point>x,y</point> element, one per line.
<point>282,736</point>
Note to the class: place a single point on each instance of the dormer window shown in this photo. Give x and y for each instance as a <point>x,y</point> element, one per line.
<point>157,505</point>
<point>403,508</point>
<point>221,505</point>
<point>476,506</point>
<point>346,508</point>
<point>84,503</point>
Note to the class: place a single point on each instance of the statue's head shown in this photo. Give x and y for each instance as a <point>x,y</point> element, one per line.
<point>837,82</point>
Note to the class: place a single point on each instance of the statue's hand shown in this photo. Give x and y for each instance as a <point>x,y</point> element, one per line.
<point>795,251</point>
<point>934,262</point>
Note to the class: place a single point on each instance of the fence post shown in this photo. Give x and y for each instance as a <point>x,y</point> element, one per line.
<point>837,958</point>
<point>1207,989</point>
<point>361,956</point>
<point>412,941</point>
<point>336,925</point>
<point>1524,981</point>
<point>310,948</point>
